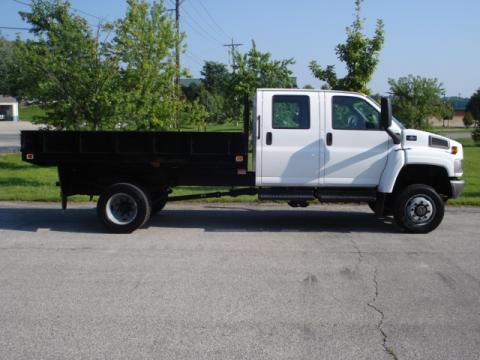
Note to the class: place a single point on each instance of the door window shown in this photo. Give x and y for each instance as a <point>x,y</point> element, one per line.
<point>353,113</point>
<point>291,112</point>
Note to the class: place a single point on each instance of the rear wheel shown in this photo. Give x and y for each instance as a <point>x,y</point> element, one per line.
<point>159,201</point>
<point>419,209</point>
<point>123,208</point>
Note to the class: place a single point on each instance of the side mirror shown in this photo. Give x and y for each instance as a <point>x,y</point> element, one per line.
<point>386,114</point>
<point>386,120</point>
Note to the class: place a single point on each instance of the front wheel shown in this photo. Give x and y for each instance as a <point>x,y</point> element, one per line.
<point>419,209</point>
<point>123,208</point>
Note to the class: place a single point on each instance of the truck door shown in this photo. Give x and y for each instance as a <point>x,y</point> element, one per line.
<point>289,139</point>
<point>356,148</point>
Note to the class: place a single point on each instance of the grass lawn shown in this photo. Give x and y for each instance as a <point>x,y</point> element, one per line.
<point>28,112</point>
<point>471,165</point>
<point>26,182</point>
<point>23,181</point>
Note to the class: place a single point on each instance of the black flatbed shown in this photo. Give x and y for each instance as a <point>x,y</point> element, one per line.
<point>89,161</point>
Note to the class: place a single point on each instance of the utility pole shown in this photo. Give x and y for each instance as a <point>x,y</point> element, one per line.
<point>177,45</point>
<point>231,52</point>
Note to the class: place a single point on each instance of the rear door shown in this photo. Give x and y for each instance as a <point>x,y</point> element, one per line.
<point>289,139</point>
<point>356,148</point>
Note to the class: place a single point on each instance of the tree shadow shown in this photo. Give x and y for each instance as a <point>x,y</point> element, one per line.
<point>11,166</point>
<point>15,181</point>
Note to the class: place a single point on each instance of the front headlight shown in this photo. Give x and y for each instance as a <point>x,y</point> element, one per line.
<point>458,166</point>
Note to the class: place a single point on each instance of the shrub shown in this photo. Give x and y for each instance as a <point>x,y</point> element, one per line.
<point>476,134</point>
<point>468,120</point>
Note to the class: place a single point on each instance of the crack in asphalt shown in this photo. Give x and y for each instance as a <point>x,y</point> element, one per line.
<point>372,305</point>
<point>359,252</point>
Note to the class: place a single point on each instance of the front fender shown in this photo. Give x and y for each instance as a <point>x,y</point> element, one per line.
<point>395,163</point>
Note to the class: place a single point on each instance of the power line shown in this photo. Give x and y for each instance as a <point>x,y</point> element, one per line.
<point>206,20</point>
<point>200,33</point>
<point>13,28</point>
<point>21,2</point>
<point>77,10</point>
<point>194,58</point>
<point>205,35</point>
<point>201,27</point>
<point>211,17</point>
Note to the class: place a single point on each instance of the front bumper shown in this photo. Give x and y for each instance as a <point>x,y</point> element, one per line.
<point>457,187</point>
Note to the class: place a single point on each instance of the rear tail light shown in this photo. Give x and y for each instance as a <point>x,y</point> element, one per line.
<point>29,156</point>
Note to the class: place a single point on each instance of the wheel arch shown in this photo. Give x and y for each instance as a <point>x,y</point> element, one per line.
<point>433,175</point>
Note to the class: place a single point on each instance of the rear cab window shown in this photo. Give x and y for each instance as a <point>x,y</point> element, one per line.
<point>291,112</point>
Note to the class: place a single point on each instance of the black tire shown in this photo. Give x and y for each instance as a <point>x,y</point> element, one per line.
<point>123,208</point>
<point>419,209</point>
<point>158,202</point>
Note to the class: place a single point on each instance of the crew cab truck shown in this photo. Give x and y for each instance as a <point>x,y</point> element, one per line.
<point>308,145</point>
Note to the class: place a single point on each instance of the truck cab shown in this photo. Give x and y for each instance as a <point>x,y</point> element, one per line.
<point>344,147</point>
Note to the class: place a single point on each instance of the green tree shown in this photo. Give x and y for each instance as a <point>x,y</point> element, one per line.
<point>416,99</point>
<point>6,63</point>
<point>256,69</point>
<point>145,46</point>
<point>198,114</point>
<point>447,112</point>
<point>308,87</point>
<point>65,68</point>
<point>215,77</point>
<point>473,106</point>
<point>360,55</point>
<point>476,134</point>
<point>468,119</point>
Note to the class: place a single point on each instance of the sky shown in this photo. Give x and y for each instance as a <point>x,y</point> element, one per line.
<point>430,38</point>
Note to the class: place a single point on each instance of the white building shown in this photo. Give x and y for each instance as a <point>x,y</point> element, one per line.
<point>8,108</point>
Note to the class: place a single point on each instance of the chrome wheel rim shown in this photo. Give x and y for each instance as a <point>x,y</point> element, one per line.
<point>121,209</point>
<point>420,210</point>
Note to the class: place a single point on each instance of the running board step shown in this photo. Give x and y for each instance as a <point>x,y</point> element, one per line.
<point>286,194</point>
<point>346,198</point>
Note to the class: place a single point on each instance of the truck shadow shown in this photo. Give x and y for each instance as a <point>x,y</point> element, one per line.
<point>281,220</point>
<point>54,219</point>
<point>209,218</point>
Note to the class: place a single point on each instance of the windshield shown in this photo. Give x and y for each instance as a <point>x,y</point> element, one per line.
<point>400,125</point>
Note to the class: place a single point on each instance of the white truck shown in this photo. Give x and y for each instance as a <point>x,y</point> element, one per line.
<point>308,145</point>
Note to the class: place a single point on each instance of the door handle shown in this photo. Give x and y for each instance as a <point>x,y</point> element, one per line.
<point>269,138</point>
<point>329,139</point>
<point>258,127</point>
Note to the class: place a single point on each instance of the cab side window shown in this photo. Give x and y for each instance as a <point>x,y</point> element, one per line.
<point>352,113</point>
<point>291,112</point>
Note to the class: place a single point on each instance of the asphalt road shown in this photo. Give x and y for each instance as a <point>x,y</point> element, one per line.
<point>455,135</point>
<point>239,281</point>
<point>10,135</point>
<point>9,143</point>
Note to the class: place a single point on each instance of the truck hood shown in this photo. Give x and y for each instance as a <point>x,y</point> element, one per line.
<point>417,139</point>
